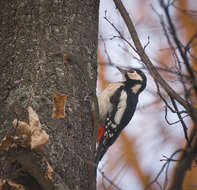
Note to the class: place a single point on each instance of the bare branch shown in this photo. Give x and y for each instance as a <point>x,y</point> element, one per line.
<point>178,44</point>
<point>140,50</point>
<point>171,123</point>
<point>183,165</point>
<point>108,180</point>
<point>106,52</point>
<point>185,11</point>
<point>190,152</point>
<point>187,47</point>
<point>121,36</point>
<point>163,168</point>
<point>181,119</point>
<point>164,100</point>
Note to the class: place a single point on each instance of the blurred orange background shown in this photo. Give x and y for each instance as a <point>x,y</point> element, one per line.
<point>135,159</point>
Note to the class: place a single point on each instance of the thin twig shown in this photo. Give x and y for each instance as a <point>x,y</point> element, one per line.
<point>172,123</point>
<point>190,42</point>
<point>120,35</point>
<point>184,164</point>
<point>106,52</point>
<point>164,100</point>
<point>153,71</point>
<point>174,54</point>
<point>163,167</point>
<point>181,119</point>
<point>108,180</point>
<point>190,152</point>
<point>186,11</point>
<point>178,44</point>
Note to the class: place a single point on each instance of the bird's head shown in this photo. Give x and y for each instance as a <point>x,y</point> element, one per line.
<point>134,78</point>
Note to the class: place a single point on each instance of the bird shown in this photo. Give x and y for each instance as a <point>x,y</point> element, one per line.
<point>117,104</point>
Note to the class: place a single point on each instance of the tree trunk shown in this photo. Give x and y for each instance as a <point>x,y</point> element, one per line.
<point>49,46</point>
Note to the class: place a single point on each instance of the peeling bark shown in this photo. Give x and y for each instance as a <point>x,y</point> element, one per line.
<point>35,36</point>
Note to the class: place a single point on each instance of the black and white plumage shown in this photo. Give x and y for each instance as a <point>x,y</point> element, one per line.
<point>117,104</point>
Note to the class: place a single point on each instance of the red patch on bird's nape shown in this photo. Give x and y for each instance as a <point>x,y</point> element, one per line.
<point>100,132</point>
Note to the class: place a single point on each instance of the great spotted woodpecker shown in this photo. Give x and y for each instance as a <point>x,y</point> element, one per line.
<point>117,104</point>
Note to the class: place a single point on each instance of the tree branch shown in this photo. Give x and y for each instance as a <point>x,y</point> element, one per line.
<point>183,165</point>
<point>178,44</point>
<point>140,50</point>
<point>190,152</point>
<point>38,167</point>
<point>181,119</point>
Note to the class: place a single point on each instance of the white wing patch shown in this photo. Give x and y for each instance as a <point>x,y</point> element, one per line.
<point>136,88</point>
<point>105,105</point>
<point>121,107</point>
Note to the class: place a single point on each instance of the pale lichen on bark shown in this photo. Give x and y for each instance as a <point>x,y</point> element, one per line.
<point>34,37</point>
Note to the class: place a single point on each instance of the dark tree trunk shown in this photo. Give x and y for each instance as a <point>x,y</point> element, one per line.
<point>35,39</point>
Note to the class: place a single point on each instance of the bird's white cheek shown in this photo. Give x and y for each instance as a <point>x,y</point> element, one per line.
<point>121,107</point>
<point>135,76</point>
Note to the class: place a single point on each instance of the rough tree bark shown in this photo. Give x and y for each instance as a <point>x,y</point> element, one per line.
<point>35,37</point>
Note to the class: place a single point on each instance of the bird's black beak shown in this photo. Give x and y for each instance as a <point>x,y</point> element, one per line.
<point>123,72</point>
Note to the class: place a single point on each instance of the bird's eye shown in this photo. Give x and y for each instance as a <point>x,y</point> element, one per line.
<point>132,71</point>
